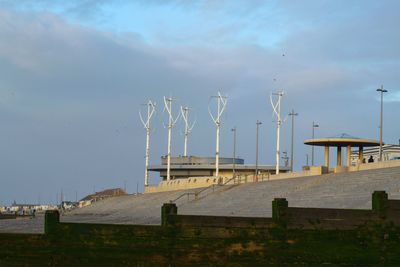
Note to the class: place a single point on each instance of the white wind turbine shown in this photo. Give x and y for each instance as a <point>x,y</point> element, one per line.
<point>188,128</point>
<point>151,108</point>
<point>171,123</point>
<point>277,112</point>
<point>221,104</point>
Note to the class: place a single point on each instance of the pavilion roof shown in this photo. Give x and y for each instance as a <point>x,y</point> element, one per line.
<point>341,140</point>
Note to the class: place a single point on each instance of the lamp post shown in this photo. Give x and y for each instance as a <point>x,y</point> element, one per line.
<point>234,152</point>
<point>381,124</point>
<point>291,150</point>
<point>314,125</point>
<point>258,123</point>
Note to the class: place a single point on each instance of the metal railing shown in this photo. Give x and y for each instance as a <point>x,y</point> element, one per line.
<point>197,193</point>
<point>238,179</point>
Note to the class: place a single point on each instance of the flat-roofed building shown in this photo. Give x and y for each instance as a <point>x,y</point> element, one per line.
<point>192,166</point>
<point>195,172</point>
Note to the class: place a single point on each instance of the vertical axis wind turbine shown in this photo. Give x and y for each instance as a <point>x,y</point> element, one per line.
<point>188,128</point>
<point>171,123</point>
<point>151,108</point>
<point>277,112</point>
<point>221,104</point>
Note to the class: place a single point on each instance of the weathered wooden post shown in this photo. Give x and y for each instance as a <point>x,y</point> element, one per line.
<point>166,210</point>
<point>380,202</point>
<point>279,206</point>
<point>51,221</point>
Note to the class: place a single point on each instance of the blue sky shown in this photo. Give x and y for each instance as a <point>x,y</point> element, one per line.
<point>73,75</point>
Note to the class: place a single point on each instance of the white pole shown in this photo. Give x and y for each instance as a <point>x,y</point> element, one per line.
<point>277,110</point>
<point>188,128</point>
<point>186,133</point>
<point>278,135</point>
<point>150,112</point>
<point>217,153</point>
<point>169,142</point>
<point>146,171</point>
<point>171,123</point>
<point>221,103</point>
<point>217,141</point>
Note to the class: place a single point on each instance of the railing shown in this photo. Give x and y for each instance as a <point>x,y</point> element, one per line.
<point>239,179</point>
<point>197,193</point>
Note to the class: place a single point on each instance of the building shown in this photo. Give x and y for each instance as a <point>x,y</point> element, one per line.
<point>195,172</point>
<point>389,152</point>
<point>69,205</point>
<point>27,208</point>
<point>192,166</point>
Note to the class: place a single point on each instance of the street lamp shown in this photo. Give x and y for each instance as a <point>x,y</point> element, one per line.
<point>258,123</point>
<point>314,125</point>
<point>381,124</point>
<point>291,150</point>
<point>234,152</point>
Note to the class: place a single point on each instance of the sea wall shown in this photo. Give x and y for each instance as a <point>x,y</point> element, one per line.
<point>293,236</point>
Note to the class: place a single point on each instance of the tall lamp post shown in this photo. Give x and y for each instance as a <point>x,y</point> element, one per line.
<point>258,123</point>
<point>234,152</point>
<point>381,124</point>
<point>293,114</point>
<point>314,125</point>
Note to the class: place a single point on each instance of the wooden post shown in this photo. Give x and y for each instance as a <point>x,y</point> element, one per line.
<point>279,206</point>
<point>51,221</point>
<point>380,202</point>
<point>166,210</point>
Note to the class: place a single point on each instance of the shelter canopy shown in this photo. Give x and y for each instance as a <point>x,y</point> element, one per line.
<point>342,140</point>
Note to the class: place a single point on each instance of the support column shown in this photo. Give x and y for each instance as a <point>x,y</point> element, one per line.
<point>339,156</point>
<point>360,154</point>
<point>348,154</point>
<point>326,156</point>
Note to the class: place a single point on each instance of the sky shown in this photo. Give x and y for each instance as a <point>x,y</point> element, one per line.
<point>74,75</point>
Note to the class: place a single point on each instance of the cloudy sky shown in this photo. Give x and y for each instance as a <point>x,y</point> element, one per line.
<point>74,74</point>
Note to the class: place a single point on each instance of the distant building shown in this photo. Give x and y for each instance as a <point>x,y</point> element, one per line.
<point>69,205</point>
<point>89,199</point>
<point>389,152</point>
<point>27,208</point>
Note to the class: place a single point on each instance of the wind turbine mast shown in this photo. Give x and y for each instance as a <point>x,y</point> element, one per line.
<point>151,108</point>
<point>171,123</point>
<point>188,128</point>
<point>221,104</point>
<point>277,112</point>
